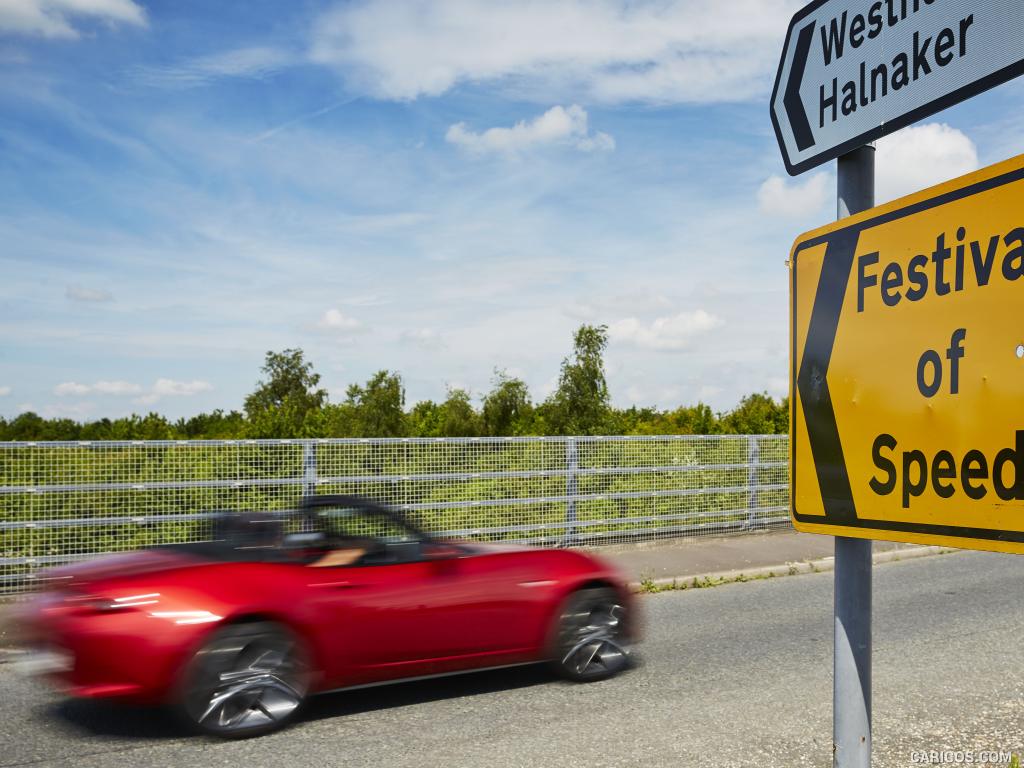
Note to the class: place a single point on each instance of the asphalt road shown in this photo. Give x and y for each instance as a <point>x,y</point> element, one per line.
<point>737,675</point>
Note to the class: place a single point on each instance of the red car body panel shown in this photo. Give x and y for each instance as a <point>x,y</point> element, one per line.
<point>131,622</point>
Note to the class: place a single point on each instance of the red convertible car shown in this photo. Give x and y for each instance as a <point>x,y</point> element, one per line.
<point>235,633</point>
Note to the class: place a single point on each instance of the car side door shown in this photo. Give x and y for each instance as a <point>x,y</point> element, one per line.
<point>393,620</point>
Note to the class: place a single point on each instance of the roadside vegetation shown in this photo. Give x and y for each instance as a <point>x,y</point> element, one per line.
<point>138,493</point>
<point>289,402</point>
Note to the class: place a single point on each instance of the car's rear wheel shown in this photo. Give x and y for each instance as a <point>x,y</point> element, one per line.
<point>247,679</point>
<point>591,636</point>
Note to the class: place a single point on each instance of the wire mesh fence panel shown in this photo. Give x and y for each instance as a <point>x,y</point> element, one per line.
<point>60,502</point>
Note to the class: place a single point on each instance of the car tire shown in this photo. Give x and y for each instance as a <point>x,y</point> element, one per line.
<point>246,680</point>
<point>590,636</point>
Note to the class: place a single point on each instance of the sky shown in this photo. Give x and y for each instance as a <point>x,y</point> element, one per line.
<point>438,187</point>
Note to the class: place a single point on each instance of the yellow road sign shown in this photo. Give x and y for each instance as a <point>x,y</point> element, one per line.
<point>907,366</point>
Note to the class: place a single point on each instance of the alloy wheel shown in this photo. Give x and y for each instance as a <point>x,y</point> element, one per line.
<point>247,679</point>
<point>591,636</point>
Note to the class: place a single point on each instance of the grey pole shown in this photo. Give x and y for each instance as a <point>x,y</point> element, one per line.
<point>309,468</point>
<point>572,463</point>
<point>851,684</point>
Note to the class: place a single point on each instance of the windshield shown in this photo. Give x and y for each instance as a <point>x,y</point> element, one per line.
<point>342,522</point>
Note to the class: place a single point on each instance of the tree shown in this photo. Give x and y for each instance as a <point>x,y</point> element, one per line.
<point>635,421</point>
<point>288,402</point>
<point>152,426</point>
<point>757,414</point>
<point>458,418</point>
<point>424,420</point>
<point>507,409</point>
<point>341,420</point>
<point>287,421</point>
<point>379,406</point>
<point>696,419</point>
<point>101,429</point>
<point>32,426</point>
<point>216,425</point>
<point>782,417</point>
<point>580,405</point>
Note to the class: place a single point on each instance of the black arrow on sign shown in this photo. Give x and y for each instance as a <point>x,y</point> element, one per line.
<point>812,381</point>
<point>791,99</point>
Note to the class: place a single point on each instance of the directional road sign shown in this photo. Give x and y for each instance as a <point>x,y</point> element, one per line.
<point>907,372</point>
<point>855,70</point>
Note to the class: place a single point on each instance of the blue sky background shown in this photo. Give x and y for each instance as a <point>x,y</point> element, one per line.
<point>437,188</point>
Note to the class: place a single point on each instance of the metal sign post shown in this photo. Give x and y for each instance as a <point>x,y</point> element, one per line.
<point>851,681</point>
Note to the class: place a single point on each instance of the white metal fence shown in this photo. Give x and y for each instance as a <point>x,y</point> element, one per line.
<point>64,501</point>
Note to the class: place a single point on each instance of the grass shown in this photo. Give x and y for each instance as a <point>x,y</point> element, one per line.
<point>649,586</point>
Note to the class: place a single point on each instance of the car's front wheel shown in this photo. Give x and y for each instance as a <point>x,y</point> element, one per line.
<point>591,636</point>
<point>246,680</point>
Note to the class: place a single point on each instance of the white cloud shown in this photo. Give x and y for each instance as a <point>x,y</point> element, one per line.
<point>337,323</point>
<point>796,198</point>
<point>99,388</point>
<point>647,392</point>
<point>53,18</point>
<point>596,142</point>
<point>906,161</point>
<point>607,51</point>
<point>424,337</point>
<point>921,156</point>
<point>71,388</point>
<point>665,333</point>
<point>559,125</point>
<point>115,388</point>
<point>87,295</point>
<point>161,388</point>
<point>172,388</point>
<point>255,62</point>
<point>5,391</point>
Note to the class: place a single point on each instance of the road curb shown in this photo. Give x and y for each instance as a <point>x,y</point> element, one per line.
<point>820,565</point>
